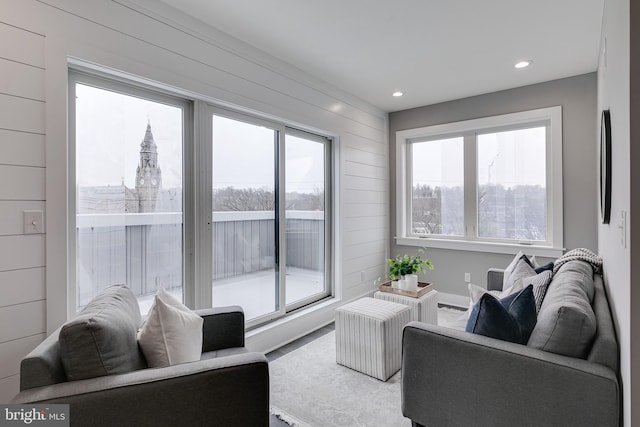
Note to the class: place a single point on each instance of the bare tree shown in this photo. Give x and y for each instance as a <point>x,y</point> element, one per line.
<point>243,199</point>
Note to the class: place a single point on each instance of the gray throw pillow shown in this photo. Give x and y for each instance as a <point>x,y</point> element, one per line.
<point>566,322</point>
<point>101,340</point>
<point>540,283</point>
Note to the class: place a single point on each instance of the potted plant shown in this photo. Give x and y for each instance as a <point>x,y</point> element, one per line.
<point>405,264</point>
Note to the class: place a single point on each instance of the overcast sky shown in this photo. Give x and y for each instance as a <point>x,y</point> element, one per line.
<point>508,158</point>
<point>111,126</point>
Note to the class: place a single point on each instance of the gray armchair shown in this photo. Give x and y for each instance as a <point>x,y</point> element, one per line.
<point>454,378</point>
<point>229,386</point>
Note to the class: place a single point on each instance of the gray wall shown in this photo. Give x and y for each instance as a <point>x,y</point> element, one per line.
<point>618,80</point>
<point>577,96</point>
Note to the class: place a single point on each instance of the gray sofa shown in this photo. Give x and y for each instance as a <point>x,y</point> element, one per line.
<point>454,378</point>
<point>229,386</point>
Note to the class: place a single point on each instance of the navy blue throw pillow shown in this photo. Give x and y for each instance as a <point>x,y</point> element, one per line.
<point>528,261</point>
<point>547,266</point>
<point>509,319</point>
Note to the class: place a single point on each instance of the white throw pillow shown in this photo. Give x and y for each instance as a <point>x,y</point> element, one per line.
<point>509,269</point>
<point>519,269</point>
<point>476,292</point>
<point>514,282</point>
<point>172,333</point>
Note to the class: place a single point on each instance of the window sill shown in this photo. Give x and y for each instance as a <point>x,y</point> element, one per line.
<point>496,248</point>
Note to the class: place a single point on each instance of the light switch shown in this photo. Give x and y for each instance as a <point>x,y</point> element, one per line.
<point>623,228</point>
<point>33,222</point>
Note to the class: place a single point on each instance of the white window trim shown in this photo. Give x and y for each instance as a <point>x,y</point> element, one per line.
<point>554,248</point>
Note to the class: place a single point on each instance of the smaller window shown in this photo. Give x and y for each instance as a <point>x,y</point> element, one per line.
<point>486,184</point>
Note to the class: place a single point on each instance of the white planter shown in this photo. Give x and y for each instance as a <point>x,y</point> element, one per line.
<point>412,282</point>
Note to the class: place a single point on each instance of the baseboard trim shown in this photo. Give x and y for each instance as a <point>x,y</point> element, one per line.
<point>453,299</point>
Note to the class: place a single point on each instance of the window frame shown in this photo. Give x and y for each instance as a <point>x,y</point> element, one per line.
<point>197,185</point>
<point>134,89</point>
<point>550,117</point>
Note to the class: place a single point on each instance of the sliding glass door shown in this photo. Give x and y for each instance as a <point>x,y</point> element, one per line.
<point>245,238</point>
<point>216,206</point>
<point>269,225</point>
<point>306,221</point>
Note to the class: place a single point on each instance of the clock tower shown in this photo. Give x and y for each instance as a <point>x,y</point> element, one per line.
<point>148,173</point>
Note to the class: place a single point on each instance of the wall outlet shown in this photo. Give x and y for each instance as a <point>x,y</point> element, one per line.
<point>467,277</point>
<point>362,276</point>
<point>33,222</point>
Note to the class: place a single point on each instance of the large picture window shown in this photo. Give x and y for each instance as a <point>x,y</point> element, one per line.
<point>255,233</point>
<point>485,184</point>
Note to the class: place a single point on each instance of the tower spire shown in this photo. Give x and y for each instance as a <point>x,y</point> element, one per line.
<point>148,173</point>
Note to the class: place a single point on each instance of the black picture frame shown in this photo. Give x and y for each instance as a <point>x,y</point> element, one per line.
<point>605,166</point>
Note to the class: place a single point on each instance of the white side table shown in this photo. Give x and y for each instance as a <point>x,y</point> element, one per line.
<point>423,309</point>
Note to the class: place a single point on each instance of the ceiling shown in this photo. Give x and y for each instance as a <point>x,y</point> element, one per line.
<point>432,50</point>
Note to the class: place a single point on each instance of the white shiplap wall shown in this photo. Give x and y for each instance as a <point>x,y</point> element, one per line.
<point>148,39</point>
<point>22,187</point>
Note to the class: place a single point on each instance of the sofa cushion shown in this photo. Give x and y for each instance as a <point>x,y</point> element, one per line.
<point>172,333</point>
<point>566,322</point>
<point>508,319</point>
<point>101,340</point>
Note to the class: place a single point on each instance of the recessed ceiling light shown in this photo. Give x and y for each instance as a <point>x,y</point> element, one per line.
<point>523,64</point>
<point>398,94</point>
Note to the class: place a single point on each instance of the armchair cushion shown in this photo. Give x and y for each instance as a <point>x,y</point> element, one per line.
<point>101,340</point>
<point>509,319</point>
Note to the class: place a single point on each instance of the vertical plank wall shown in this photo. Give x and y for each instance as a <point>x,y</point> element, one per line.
<point>146,38</point>
<point>22,187</point>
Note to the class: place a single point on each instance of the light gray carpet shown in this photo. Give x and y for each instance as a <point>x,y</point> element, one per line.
<point>308,388</point>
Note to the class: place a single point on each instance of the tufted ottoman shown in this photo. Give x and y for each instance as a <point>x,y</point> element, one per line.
<point>369,336</point>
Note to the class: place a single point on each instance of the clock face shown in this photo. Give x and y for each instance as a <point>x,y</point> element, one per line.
<point>141,181</point>
<point>154,181</point>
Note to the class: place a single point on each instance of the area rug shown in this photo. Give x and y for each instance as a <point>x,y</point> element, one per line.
<point>309,389</point>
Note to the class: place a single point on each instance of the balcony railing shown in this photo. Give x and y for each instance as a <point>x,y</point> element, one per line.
<point>144,250</point>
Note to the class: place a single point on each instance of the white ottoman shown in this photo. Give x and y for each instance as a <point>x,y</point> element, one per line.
<point>369,336</point>
<point>423,309</point>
